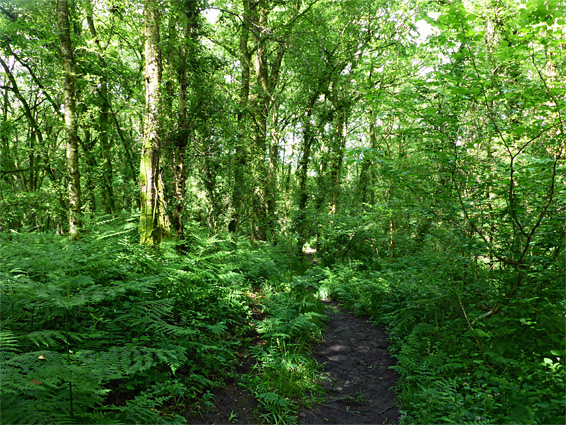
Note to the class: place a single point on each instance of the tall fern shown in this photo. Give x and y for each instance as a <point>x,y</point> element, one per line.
<point>89,328</point>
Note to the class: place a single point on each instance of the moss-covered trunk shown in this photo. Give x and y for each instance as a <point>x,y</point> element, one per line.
<point>71,136</point>
<point>152,209</point>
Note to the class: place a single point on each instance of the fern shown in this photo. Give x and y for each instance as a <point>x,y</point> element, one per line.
<point>17,411</point>
<point>47,383</point>
<point>52,339</point>
<point>142,409</point>
<point>273,402</point>
<point>8,344</point>
<point>101,320</point>
<point>124,361</point>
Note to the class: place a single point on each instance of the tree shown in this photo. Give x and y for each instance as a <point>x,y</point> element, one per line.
<point>153,220</point>
<point>240,151</point>
<point>71,135</point>
<point>104,118</point>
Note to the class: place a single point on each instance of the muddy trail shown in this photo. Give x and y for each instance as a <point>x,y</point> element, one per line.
<point>358,384</point>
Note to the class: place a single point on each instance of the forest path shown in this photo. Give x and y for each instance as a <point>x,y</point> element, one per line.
<point>356,362</point>
<point>357,379</point>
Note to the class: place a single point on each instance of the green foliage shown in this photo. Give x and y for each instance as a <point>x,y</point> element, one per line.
<point>102,331</point>
<point>428,173</point>
<point>346,237</point>
<point>286,374</point>
<point>257,266</point>
<point>38,210</point>
<point>455,365</point>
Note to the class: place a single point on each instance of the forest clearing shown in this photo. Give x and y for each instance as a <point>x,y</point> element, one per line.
<point>282,212</point>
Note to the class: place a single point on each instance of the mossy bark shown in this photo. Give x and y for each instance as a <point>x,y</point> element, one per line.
<point>337,157</point>
<point>301,223</point>
<point>153,220</point>
<point>71,136</point>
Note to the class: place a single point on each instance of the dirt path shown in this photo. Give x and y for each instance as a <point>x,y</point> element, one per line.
<point>359,385</point>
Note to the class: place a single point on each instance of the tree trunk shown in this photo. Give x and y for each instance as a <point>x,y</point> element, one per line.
<point>267,78</point>
<point>182,138</point>
<point>240,153</point>
<point>303,166</point>
<point>366,176</point>
<point>71,136</point>
<point>272,181</point>
<point>261,113</point>
<point>130,170</point>
<point>152,213</point>
<point>35,131</point>
<point>89,198</point>
<point>337,157</point>
<point>106,148</point>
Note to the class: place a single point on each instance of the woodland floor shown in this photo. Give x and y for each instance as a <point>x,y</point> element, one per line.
<point>356,378</point>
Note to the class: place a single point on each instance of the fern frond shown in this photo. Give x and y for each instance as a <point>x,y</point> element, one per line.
<point>18,411</point>
<point>273,402</point>
<point>163,328</point>
<point>144,408</point>
<point>119,361</point>
<point>49,338</point>
<point>8,343</point>
<point>174,356</point>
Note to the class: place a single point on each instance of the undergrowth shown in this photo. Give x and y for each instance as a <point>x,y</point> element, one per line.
<point>103,331</point>
<point>286,375</point>
<point>457,364</point>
